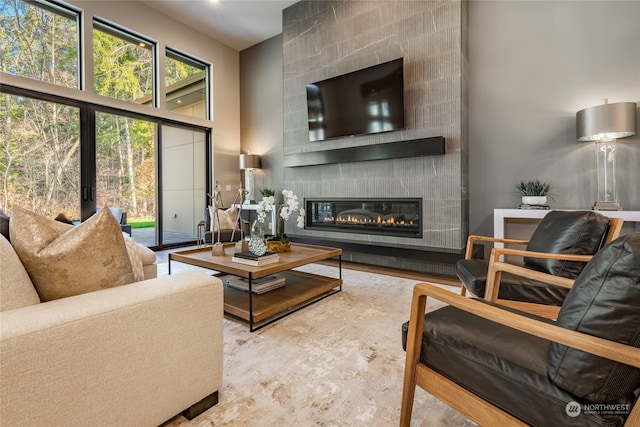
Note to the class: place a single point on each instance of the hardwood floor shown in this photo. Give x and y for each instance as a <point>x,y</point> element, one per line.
<point>445,280</point>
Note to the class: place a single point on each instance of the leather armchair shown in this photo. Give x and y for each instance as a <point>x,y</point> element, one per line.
<point>559,233</point>
<point>500,366</point>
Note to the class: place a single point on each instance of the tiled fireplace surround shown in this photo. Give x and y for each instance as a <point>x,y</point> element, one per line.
<point>322,39</point>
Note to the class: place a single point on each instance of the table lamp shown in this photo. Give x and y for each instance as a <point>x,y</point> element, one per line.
<point>249,162</point>
<point>604,124</point>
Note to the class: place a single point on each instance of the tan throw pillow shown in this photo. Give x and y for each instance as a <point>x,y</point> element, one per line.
<point>227,218</point>
<point>63,260</point>
<point>16,289</point>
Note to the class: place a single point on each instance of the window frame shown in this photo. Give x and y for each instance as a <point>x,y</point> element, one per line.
<point>178,55</point>
<point>118,31</point>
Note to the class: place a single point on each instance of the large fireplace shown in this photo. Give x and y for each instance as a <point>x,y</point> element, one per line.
<point>400,217</point>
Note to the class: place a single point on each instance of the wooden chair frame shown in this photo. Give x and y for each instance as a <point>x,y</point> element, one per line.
<point>464,401</point>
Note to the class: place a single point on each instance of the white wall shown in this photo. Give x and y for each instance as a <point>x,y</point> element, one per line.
<point>533,65</point>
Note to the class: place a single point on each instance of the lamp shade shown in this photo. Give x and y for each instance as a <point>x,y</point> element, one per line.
<point>610,121</point>
<point>249,161</point>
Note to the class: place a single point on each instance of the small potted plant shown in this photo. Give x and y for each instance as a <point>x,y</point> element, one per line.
<point>267,192</point>
<point>534,192</point>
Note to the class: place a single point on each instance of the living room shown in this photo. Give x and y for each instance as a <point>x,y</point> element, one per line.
<point>511,74</point>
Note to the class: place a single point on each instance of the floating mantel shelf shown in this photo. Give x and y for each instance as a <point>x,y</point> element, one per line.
<point>433,146</point>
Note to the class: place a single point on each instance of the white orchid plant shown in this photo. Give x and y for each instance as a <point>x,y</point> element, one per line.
<point>290,205</point>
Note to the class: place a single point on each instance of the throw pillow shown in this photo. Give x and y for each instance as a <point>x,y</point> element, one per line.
<point>228,218</point>
<point>134,256</point>
<point>63,260</point>
<point>566,232</point>
<point>604,303</point>
<point>16,289</point>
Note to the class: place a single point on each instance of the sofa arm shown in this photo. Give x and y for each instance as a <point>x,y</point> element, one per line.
<point>133,355</point>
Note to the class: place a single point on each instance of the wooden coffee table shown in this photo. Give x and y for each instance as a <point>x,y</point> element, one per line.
<point>300,290</point>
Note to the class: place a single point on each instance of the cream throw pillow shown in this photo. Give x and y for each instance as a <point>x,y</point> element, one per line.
<point>134,256</point>
<point>63,260</point>
<point>16,289</point>
<point>227,218</point>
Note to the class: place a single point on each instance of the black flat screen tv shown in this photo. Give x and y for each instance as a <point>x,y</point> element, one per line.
<point>366,101</point>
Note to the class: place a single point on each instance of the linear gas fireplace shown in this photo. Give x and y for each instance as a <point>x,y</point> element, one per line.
<point>401,217</point>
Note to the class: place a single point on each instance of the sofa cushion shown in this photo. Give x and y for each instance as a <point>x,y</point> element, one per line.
<point>227,217</point>
<point>604,302</point>
<point>16,289</point>
<point>566,232</point>
<point>63,260</point>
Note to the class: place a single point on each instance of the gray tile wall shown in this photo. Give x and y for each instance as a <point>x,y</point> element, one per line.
<point>322,39</point>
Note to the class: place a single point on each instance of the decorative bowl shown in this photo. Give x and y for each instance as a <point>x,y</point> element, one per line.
<point>277,246</point>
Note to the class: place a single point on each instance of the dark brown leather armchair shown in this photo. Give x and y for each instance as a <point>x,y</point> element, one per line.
<point>499,366</point>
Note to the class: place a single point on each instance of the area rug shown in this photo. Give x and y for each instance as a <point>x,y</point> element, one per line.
<point>338,362</point>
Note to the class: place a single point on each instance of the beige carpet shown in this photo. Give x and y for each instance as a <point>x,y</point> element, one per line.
<point>338,362</point>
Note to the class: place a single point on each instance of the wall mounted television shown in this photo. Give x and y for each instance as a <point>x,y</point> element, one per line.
<point>366,101</point>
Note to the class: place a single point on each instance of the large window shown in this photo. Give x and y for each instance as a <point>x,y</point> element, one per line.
<point>63,152</point>
<point>122,65</point>
<point>40,160</point>
<point>186,85</point>
<point>40,41</point>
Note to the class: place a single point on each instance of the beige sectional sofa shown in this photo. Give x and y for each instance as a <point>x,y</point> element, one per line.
<point>132,355</point>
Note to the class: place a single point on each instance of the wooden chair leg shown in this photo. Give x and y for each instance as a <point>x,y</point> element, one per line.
<point>414,344</point>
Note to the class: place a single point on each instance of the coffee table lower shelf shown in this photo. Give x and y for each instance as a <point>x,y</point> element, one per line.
<point>300,290</point>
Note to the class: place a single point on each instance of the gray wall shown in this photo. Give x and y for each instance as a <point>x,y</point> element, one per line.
<point>261,110</point>
<point>532,65</point>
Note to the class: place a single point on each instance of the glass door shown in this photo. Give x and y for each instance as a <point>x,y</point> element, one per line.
<point>184,187</point>
<point>126,172</point>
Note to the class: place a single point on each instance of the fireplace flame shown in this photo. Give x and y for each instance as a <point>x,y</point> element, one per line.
<point>354,220</point>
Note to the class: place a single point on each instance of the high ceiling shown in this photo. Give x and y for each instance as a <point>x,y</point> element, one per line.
<point>237,23</point>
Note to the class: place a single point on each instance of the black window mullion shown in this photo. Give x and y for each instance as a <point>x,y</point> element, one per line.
<point>88,161</point>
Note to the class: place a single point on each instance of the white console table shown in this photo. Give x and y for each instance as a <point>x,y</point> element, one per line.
<point>502,216</point>
<point>270,220</point>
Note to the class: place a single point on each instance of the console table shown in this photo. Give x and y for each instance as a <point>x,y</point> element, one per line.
<point>270,220</point>
<point>502,216</point>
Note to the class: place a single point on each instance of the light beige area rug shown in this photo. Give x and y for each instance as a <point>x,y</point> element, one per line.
<point>338,362</point>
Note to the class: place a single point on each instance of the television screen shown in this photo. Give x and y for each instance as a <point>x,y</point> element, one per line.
<point>366,101</point>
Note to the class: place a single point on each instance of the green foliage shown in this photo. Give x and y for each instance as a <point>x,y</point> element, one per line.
<point>533,187</point>
<point>266,192</point>
<point>141,223</point>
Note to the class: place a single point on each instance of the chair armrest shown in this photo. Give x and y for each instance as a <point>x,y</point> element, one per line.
<point>475,238</point>
<point>598,346</point>
<point>498,252</point>
<point>496,268</point>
